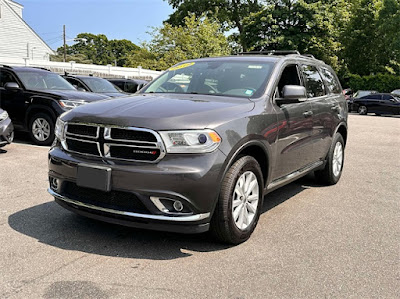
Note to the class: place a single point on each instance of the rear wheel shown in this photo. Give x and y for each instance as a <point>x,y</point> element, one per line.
<point>332,172</point>
<point>362,110</point>
<point>41,129</point>
<point>239,203</point>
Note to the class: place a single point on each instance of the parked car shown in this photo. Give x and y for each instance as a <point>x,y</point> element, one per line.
<point>189,160</point>
<point>35,97</point>
<point>396,92</point>
<point>358,94</point>
<point>6,129</point>
<point>128,85</point>
<point>378,103</point>
<point>94,84</point>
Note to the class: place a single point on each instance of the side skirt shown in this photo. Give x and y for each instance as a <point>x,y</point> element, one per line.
<point>293,176</point>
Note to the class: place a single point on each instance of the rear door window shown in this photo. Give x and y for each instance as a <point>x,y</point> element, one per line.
<point>331,81</point>
<point>314,84</point>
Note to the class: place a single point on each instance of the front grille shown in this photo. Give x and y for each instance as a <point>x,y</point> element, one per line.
<point>116,200</point>
<point>83,147</point>
<point>82,130</point>
<point>133,144</point>
<point>122,134</point>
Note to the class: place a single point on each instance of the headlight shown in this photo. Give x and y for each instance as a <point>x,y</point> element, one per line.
<point>196,141</point>
<point>3,116</point>
<point>70,104</point>
<point>59,130</point>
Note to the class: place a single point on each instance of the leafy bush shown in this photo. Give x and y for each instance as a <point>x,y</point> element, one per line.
<point>379,82</point>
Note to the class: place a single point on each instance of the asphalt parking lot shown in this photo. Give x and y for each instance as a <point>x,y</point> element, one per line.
<point>311,241</point>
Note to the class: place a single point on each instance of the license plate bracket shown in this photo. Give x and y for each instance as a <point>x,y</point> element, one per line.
<point>94,177</point>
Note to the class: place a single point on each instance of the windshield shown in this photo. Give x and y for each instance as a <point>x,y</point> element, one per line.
<point>99,85</point>
<point>44,81</point>
<point>240,79</point>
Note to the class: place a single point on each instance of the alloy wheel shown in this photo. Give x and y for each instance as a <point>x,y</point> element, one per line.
<point>41,129</point>
<point>337,160</point>
<point>245,200</point>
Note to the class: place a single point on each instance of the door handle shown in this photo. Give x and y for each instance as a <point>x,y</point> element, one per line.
<point>308,113</point>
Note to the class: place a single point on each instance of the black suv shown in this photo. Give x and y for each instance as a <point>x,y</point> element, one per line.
<point>201,145</point>
<point>35,97</point>
<point>94,84</point>
<point>128,85</point>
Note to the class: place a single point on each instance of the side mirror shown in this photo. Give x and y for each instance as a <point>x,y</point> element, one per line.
<point>292,94</point>
<point>12,86</point>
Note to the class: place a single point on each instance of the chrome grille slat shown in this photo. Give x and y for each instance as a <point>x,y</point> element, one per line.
<point>126,150</point>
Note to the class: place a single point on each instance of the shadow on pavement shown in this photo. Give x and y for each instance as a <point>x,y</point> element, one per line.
<point>50,224</point>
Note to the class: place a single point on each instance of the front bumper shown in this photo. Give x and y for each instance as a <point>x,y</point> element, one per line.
<point>6,130</point>
<point>194,180</point>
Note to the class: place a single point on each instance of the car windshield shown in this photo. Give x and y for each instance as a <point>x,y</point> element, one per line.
<point>44,81</point>
<point>99,85</point>
<point>217,77</point>
<point>363,93</point>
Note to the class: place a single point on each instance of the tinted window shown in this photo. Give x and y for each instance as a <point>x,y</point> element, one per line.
<point>387,97</point>
<point>313,80</point>
<point>131,87</point>
<point>331,81</point>
<point>99,85</point>
<point>290,76</point>
<point>5,77</point>
<point>76,83</point>
<point>372,97</point>
<point>43,81</point>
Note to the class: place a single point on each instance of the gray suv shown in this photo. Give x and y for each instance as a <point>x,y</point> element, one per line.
<point>199,147</point>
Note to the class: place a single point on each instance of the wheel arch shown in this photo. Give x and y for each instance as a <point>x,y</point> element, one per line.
<point>34,109</point>
<point>254,148</point>
<point>342,129</point>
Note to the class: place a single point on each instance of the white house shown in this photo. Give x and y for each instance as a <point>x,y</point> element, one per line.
<point>17,39</point>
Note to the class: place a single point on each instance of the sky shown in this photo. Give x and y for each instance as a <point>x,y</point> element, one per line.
<point>117,19</point>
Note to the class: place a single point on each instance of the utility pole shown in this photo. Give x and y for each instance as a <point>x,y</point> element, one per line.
<point>65,45</point>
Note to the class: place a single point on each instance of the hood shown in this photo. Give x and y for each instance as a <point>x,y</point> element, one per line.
<point>73,95</point>
<point>113,94</point>
<point>162,112</point>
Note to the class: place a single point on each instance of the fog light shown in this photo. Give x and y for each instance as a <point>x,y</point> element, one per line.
<point>54,183</point>
<point>178,206</point>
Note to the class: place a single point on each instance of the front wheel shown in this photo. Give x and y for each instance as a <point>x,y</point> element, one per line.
<point>332,172</point>
<point>362,110</point>
<point>41,129</point>
<point>239,203</point>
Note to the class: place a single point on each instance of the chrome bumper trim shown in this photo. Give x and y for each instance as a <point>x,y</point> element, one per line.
<point>190,218</point>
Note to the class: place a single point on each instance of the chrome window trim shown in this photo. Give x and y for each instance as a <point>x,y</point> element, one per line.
<point>189,218</point>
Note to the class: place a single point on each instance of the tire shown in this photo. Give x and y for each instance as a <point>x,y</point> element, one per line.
<point>224,226</point>
<point>41,122</point>
<point>332,172</point>
<point>362,110</point>
<point>10,139</point>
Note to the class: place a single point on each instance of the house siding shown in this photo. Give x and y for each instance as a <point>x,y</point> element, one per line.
<point>17,40</point>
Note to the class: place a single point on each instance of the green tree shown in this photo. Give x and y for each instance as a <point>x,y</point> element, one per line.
<point>361,39</point>
<point>100,50</point>
<point>311,27</point>
<point>389,36</point>
<point>198,37</point>
<point>229,13</point>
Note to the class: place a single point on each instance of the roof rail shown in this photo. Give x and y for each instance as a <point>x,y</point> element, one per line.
<point>41,68</point>
<point>270,52</point>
